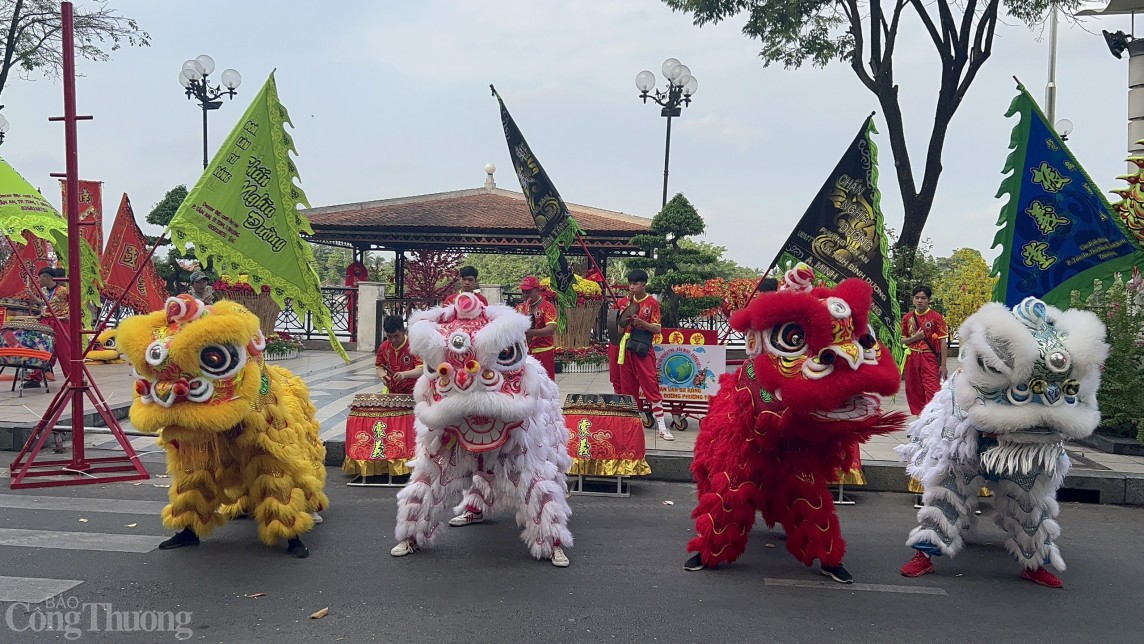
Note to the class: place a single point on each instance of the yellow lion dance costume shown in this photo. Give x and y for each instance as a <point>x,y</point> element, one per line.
<point>240,435</point>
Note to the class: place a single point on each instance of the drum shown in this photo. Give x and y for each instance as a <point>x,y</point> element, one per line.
<point>614,334</point>
<point>16,306</point>
<point>606,436</point>
<point>26,343</point>
<point>380,436</point>
<point>600,402</point>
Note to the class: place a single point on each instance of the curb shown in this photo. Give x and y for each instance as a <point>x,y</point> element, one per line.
<point>13,435</point>
<point>1084,486</point>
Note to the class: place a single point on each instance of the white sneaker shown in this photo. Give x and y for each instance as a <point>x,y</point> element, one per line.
<point>317,518</point>
<point>664,434</point>
<point>404,547</point>
<point>559,559</point>
<point>466,518</point>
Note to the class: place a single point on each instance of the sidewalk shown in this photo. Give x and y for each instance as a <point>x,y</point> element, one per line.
<point>1095,477</point>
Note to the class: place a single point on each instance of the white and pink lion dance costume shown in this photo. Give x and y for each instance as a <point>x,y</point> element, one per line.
<point>1027,384</point>
<point>487,415</point>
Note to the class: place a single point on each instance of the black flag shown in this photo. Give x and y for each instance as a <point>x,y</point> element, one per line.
<point>558,229</point>
<point>842,234</point>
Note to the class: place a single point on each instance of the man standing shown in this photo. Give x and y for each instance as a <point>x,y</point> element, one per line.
<point>201,288</point>
<point>541,337</point>
<point>640,320</point>
<point>54,312</point>
<point>468,285</point>
<point>396,366</point>
<point>924,334</point>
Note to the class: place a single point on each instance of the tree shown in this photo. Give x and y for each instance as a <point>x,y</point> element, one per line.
<point>911,268</point>
<point>865,35</point>
<point>161,214</point>
<point>431,274</point>
<point>963,285</point>
<point>34,31</point>
<point>673,261</point>
<point>723,267</point>
<point>506,270</point>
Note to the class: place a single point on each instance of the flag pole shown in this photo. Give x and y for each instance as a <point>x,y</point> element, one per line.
<point>103,321</point>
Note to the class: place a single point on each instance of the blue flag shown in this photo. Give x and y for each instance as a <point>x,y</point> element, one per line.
<point>1058,231</point>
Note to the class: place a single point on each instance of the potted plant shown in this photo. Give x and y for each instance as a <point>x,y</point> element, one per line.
<point>259,303</point>
<point>589,359</point>
<point>281,346</point>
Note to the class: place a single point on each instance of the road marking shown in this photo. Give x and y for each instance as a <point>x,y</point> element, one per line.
<point>833,585</point>
<point>102,542</point>
<point>33,590</point>
<point>116,506</point>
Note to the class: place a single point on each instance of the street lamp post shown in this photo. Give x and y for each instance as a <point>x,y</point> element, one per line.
<point>194,77</point>
<point>681,86</point>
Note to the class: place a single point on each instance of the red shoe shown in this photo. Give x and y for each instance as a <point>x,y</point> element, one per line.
<point>918,566</point>
<point>1042,577</point>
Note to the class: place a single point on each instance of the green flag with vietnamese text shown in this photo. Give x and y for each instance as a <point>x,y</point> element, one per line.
<point>243,212</point>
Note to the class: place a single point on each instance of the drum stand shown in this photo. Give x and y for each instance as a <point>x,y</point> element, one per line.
<point>842,499</point>
<point>585,485</point>
<point>362,480</point>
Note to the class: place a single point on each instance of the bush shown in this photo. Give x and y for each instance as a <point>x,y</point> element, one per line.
<point>1121,395</point>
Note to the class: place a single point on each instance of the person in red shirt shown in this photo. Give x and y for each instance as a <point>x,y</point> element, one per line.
<point>640,311</point>
<point>924,334</point>
<point>468,285</point>
<point>542,336</point>
<point>396,366</point>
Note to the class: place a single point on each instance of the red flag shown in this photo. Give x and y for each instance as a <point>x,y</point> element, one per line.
<point>126,248</point>
<point>35,254</point>
<point>90,212</point>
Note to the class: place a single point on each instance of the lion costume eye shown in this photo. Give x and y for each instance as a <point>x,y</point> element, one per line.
<point>511,356</point>
<point>156,353</point>
<point>221,360</point>
<point>788,340</point>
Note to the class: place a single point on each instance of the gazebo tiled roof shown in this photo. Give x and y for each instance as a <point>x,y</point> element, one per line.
<point>481,220</point>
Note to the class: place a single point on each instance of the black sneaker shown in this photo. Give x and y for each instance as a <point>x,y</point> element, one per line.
<point>186,537</point>
<point>31,384</point>
<point>694,563</point>
<point>839,574</point>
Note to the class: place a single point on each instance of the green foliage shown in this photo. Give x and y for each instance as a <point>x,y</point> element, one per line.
<point>723,267</point>
<point>911,268</point>
<point>163,212</point>
<point>1121,394</point>
<point>507,270</point>
<point>168,266</point>
<point>671,261</point>
<point>33,30</point>
<point>963,285</point>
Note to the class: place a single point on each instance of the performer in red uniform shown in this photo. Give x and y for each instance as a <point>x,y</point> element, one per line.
<point>541,337</point>
<point>468,285</point>
<point>924,333</point>
<point>640,312</point>
<point>396,366</point>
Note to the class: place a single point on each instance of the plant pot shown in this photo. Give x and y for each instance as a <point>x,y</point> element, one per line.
<point>260,304</point>
<point>580,367</point>
<point>275,356</point>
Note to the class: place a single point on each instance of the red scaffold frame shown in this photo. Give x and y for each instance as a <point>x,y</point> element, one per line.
<point>80,469</point>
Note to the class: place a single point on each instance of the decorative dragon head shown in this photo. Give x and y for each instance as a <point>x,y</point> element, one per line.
<point>1033,369</point>
<point>813,348</point>
<point>479,383</point>
<point>196,366</point>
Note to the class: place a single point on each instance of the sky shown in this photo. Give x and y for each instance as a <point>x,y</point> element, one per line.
<point>391,100</point>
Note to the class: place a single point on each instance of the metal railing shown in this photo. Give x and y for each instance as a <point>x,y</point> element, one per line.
<point>342,301</point>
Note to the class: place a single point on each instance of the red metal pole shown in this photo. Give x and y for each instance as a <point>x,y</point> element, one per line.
<point>76,372</point>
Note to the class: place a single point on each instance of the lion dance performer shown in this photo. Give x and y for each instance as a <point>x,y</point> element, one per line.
<point>240,435</point>
<point>1027,383</point>
<point>783,426</point>
<point>486,413</point>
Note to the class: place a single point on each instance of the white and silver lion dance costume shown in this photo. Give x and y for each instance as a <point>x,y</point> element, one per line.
<point>1027,384</point>
<point>486,414</point>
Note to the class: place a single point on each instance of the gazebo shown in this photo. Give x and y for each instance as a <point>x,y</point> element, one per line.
<point>481,220</point>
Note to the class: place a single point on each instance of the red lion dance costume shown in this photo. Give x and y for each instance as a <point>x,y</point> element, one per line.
<point>783,426</point>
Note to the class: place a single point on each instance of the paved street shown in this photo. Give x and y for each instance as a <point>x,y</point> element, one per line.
<point>626,582</point>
